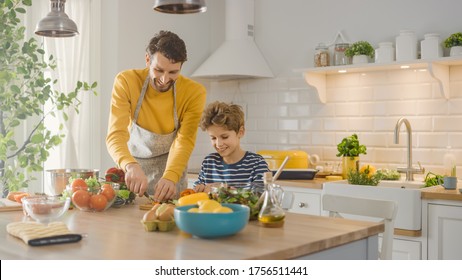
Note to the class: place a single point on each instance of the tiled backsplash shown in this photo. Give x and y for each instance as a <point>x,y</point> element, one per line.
<point>285,113</point>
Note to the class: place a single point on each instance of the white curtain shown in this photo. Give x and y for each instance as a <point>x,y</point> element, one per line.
<point>75,57</point>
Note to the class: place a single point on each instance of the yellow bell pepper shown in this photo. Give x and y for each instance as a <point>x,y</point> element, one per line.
<point>192,198</point>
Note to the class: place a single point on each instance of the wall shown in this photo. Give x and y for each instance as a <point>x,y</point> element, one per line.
<point>284,112</point>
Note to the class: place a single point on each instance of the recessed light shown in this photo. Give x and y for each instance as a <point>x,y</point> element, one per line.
<point>405,66</point>
<point>342,71</point>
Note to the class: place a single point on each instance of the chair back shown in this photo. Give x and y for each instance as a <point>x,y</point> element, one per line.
<point>384,209</point>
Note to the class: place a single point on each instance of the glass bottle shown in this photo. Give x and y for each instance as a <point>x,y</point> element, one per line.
<point>339,54</point>
<point>271,213</point>
<point>321,56</point>
<point>449,161</point>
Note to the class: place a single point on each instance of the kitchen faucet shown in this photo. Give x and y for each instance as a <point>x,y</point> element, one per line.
<point>409,170</point>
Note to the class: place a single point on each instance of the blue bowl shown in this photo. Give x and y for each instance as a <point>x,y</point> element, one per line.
<point>212,225</point>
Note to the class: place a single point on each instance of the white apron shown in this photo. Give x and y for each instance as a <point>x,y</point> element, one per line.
<point>151,149</point>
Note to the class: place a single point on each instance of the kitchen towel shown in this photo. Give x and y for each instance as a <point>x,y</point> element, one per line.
<point>33,230</point>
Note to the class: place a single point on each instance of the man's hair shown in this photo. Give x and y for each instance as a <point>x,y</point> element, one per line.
<point>228,116</point>
<point>169,45</point>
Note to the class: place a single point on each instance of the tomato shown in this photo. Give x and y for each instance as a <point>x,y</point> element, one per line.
<point>98,202</point>
<point>115,175</point>
<point>108,192</point>
<point>81,199</point>
<point>79,184</point>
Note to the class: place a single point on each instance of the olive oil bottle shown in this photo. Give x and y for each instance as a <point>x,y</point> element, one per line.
<point>271,213</point>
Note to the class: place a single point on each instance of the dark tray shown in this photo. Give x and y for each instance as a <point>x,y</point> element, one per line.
<point>297,174</point>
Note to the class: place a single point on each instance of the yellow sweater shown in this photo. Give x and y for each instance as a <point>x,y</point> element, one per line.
<point>156,115</point>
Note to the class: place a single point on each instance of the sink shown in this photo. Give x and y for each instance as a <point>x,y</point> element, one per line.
<point>406,193</point>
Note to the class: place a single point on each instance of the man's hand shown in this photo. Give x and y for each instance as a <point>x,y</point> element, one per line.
<point>135,179</point>
<point>164,190</point>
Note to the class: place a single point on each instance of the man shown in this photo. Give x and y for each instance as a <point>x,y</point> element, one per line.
<point>154,119</point>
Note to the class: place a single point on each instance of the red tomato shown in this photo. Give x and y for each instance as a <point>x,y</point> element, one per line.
<point>81,199</point>
<point>79,184</point>
<point>115,175</point>
<point>108,192</point>
<point>98,202</point>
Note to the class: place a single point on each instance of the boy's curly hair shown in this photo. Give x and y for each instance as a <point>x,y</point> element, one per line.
<point>228,116</point>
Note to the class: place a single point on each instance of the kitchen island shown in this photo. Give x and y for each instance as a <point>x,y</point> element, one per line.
<point>118,234</point>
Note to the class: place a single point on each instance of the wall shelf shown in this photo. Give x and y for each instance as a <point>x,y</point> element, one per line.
<point>438,69</point>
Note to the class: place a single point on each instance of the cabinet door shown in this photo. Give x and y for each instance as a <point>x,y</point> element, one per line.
<point>406,249</point>
<point>444,232</point>
<point>302,203</point>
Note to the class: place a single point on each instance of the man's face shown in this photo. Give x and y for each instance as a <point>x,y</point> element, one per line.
<point>162,71</point>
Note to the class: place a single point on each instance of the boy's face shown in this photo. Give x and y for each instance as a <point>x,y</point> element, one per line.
<point>225,142</point>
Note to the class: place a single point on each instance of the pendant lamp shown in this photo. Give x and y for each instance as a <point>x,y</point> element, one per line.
<point>56,23</point>
<point>180,6</point>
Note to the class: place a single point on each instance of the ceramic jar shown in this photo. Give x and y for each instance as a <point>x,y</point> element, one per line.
<point>406,46</point>
<point>385,53</point>
<point>431,46</point>
<point>456,51</point>
<point>360,59</point>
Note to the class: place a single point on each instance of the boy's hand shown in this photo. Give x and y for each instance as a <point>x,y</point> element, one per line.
<point>202,188</point>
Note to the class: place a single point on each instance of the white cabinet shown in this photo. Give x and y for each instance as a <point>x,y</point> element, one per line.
<point>406,249</point>
<point>438,69</point>
<point>302,200</point>
<point>444,231</point>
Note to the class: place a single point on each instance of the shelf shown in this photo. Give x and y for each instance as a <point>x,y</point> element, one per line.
<point>438,69</point>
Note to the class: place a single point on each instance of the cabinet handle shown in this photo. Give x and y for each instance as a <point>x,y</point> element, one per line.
<point>301,204</point>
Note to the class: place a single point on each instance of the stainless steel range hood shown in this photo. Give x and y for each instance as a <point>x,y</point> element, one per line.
<point>238,57</point>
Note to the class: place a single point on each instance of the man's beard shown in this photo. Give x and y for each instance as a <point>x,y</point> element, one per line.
<point>164,87</point>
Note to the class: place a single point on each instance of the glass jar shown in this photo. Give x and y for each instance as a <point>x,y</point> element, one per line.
<point>406,46</point>
<point>321,56</point>
<point>339,54</point>
<point>271,213</point>
<point>385,52</point>
<point>431,46</point>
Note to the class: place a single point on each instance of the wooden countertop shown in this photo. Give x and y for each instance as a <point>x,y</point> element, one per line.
<point>118,234</point>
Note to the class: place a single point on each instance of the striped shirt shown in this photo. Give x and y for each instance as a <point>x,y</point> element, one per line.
<point>249,169</point>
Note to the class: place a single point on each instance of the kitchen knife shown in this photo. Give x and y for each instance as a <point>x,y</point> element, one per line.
<point>57,239</point>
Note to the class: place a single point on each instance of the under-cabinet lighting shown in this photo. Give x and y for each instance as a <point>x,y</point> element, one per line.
<point>405,66</point>
<point>342,71</point>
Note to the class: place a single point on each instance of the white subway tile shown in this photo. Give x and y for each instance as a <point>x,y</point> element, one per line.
<point>270,124</point>
<point>311,124</point>
<point>332,124</point>
<point>448,124</point>
<point>300,111</point>
<point>404,76</point>
<point>346,109</point>
<point>433,107</point>
<point>373,78</point>
<point>256,137</point>
<point>323,110</point>
<point>288,124</point>
<point>432,140</point>
<point>323,139</point>
<point>337,95</point>
<point>277,138</point>
<point>280,84</point>
<point>374,139</point>
<point>361,124</point>
<point>343,80</point>
<point>455,73</point>
<point>455,106</point>
<point>455,140</point>
<point>277,111</point>
<point>417,91</point>
<point>256,111</point>
<point>300,138</point>
<point>270,98</point>
<point>297,83</point>
<point>288,97</point>
<point>401,108</point>
<point>390,92</point>
<point>361,94</point>
<point>456,90</point>
<point>374,109</point>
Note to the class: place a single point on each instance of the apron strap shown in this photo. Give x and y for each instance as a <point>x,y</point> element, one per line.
<point>140,100</point>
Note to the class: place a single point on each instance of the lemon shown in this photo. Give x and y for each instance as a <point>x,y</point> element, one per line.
<point>193,210</point>
<point>207,206</point>
<point>223,209</point>
<point>368,169</point>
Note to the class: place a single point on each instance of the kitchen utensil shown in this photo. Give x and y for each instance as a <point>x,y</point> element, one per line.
<point>297,174</point>
<point>276,176</point>
<point>149,197</point>
<point>45,209</point>
<point>57,239</point>
<point>56,180</point>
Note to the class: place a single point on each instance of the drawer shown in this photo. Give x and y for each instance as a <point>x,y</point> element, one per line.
<point>302,203</point>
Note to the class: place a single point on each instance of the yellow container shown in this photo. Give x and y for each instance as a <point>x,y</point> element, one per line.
<point>297,159</point>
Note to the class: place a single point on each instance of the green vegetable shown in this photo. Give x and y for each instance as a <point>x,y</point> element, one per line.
<point>363,178</point>
<point>244,196</point>
<point>350,147</point>
<point>432,179</point>
<point>389,174</point>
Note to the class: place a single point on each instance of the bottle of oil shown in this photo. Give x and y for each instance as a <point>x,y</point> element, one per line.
<point>271,213</point>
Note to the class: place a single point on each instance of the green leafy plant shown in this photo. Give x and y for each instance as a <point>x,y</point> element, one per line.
<point>453,40</point>
<point>363,178</point>
<point>24,90</point>
<point>350,147</point>
<point>432,179</point>
<point>360,48</point>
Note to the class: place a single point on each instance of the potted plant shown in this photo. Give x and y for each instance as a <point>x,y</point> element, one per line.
<point>24,89</point>
<point>360,51</point>
<point>350,149</point>
<point>454,43</point>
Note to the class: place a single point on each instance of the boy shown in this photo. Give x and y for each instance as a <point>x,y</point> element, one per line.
<point>230,164</point>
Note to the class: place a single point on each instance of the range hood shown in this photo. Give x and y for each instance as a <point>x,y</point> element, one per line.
<point>238,57</point>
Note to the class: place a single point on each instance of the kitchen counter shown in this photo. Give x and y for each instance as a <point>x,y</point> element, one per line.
<point>118,234</point>
<point>439,192</point>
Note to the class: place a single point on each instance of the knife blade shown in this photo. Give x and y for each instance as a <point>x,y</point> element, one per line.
<point>149,197</point>
<point>57,239</point>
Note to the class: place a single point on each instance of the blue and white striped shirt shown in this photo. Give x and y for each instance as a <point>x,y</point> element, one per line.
<point>248,170</point>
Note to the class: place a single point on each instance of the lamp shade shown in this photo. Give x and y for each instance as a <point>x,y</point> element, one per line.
<point>56,23</point>
<point>180,6</point>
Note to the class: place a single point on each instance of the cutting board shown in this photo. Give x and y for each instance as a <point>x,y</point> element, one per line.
<point>8,205</point>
